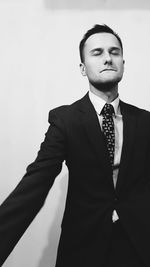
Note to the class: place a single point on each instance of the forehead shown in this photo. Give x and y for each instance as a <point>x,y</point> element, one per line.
<point>101,40</point>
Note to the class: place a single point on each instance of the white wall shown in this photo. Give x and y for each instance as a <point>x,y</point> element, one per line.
<point>38,71</point>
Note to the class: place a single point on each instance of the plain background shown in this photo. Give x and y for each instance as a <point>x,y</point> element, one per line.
<point>39,70</point>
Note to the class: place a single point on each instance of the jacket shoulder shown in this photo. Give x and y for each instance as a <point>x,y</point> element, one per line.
<point>132,109</point>
<point>65,112</point>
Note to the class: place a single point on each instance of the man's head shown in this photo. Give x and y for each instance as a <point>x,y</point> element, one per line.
<point>101,53</point>
<point>96,29</point>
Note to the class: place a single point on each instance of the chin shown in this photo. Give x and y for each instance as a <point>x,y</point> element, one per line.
<point>110,80</point>
<point>106,84</point>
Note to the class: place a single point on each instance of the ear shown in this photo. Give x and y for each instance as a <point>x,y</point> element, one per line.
<point>123,64</point>
<point>83,69</point>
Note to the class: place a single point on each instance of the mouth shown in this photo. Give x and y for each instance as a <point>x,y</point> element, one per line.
<point>107,70</point>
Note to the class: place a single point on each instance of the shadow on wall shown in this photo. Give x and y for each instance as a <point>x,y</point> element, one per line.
<point>97,4</point>
<point>48,258</point>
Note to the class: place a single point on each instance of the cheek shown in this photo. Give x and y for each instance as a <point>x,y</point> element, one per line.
<point>120,67</point>
<point>92,67</point>
<point>90,70</point>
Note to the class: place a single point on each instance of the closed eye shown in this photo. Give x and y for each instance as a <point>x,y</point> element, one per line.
<point>96,52</point>
<point>115,51</point>
<point>112,51</point>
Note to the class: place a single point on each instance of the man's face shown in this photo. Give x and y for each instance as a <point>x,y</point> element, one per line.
<point>103,59</point>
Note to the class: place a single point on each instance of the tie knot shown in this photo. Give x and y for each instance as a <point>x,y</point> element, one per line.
<point>108,110</point>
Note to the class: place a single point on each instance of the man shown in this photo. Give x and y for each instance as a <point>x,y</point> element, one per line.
<point>106,148</point>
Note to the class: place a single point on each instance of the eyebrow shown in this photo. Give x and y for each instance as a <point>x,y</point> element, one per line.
<point>96,49</point>
<point>115,48</point>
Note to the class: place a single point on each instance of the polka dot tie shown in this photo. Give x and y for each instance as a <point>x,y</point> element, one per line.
<point>108,130</point>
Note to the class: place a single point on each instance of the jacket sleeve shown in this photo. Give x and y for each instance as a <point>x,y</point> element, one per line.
<point>22,205</point>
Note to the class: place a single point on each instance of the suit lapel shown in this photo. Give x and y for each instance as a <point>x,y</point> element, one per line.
<point>96,139</point>
<point>129,127</point>
<point>93,131</point>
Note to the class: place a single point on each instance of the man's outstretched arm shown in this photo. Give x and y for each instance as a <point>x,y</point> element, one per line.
<point>22,205</point>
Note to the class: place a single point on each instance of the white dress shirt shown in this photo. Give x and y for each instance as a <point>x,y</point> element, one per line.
<point>98,104</point>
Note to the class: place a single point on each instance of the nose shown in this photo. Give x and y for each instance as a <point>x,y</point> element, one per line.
<point>107,58</point>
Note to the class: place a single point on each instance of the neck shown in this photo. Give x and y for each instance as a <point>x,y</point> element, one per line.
<point>107,94</point>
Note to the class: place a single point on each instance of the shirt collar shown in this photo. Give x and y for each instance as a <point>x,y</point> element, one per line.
<point>99,103</point>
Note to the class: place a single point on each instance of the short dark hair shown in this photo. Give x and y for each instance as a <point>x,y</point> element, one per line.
<point>97,29</point>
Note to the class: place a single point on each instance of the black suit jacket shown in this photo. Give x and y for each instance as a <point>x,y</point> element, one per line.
<point>75,136</point>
